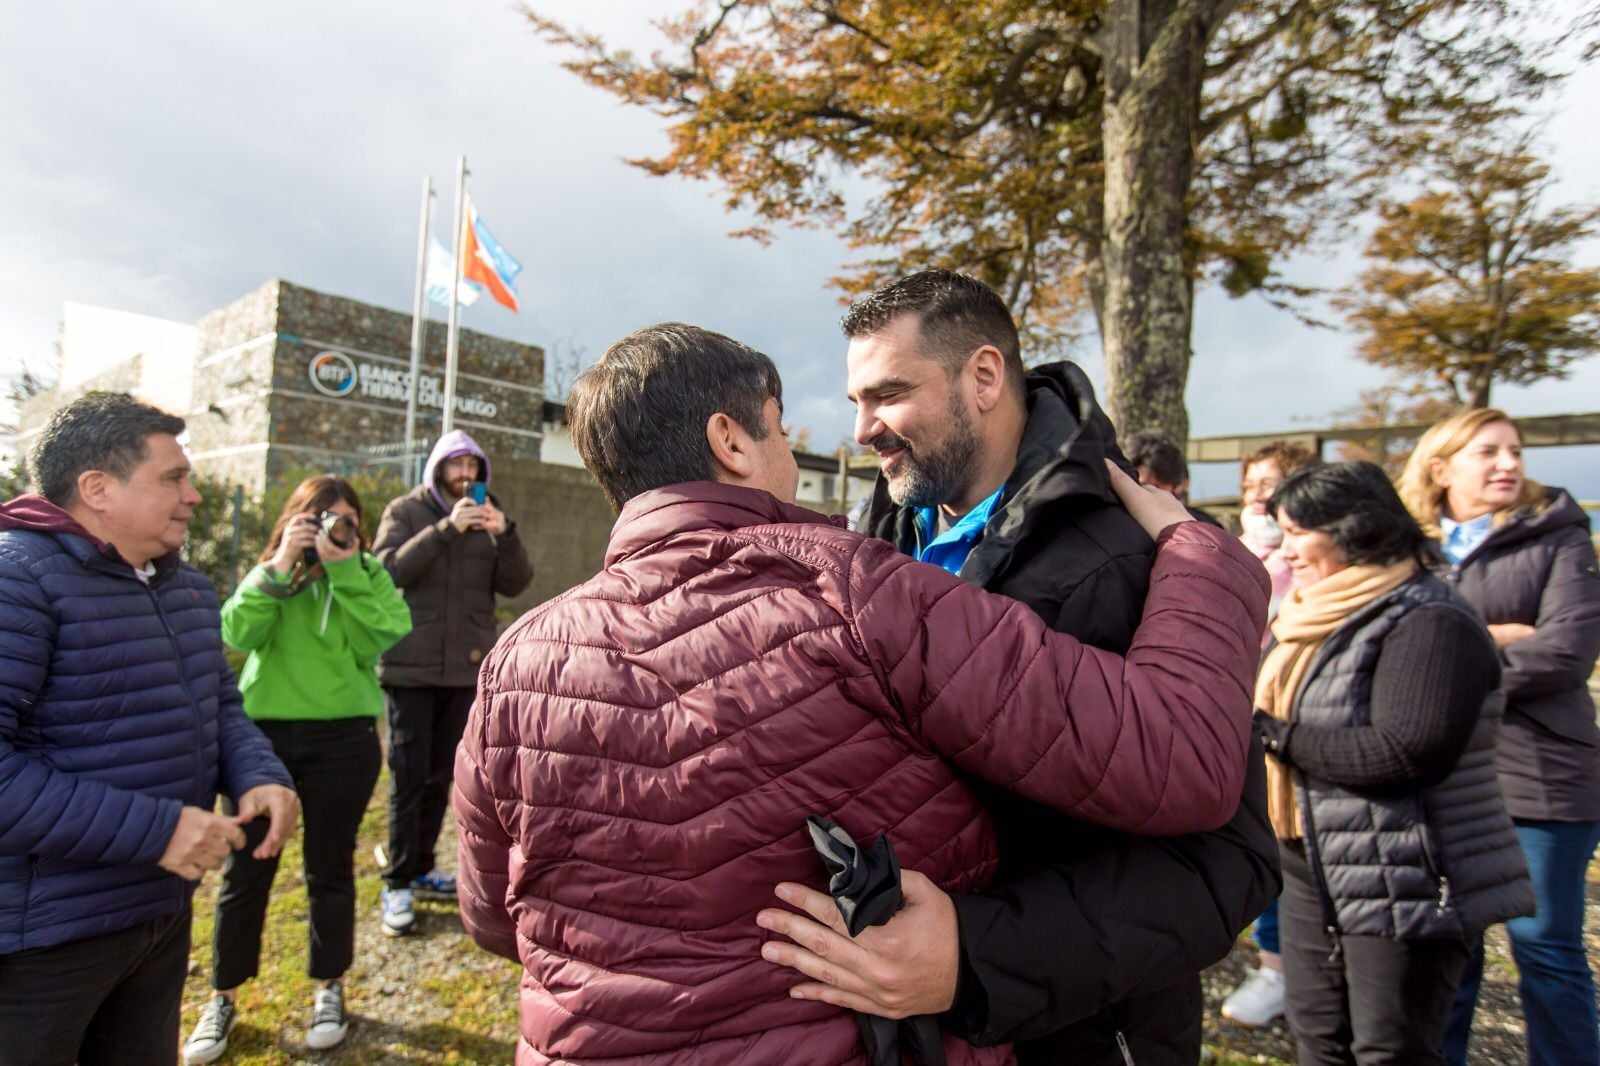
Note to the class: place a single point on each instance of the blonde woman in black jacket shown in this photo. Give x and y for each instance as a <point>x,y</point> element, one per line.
<point>1521,555</point>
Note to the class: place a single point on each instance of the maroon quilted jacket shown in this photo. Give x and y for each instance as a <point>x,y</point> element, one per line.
<point>637,770</point>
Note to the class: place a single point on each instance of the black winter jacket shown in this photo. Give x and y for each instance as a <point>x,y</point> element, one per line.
<point>1539,569</point>
<point>1411,852</point>
<point>1087,933</point>
<point>449,580</point>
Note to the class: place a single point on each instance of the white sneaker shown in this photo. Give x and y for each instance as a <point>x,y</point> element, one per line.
<point>210,1037</point>
<point>328,1023</point>
<point>1258,1000</point>
<point>398,912</point>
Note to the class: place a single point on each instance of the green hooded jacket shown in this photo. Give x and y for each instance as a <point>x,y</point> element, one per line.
<point>314,653</point>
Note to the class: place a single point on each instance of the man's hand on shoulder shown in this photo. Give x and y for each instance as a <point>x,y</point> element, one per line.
<point>903,968</point>
<point>201,842</point>
<point>282,809</point>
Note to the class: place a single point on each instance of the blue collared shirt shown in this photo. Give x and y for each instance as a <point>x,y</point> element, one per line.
<point>949,550</point>
<point>1461,539</point>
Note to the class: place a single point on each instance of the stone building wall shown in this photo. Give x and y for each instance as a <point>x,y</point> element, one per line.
<point>229,421</point>
<point>288,378</point>
<point>565,523</point>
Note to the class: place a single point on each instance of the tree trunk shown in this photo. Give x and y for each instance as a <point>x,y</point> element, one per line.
<point>1096,271</point>
<point>1481,384</point>
<point>1155,57</point>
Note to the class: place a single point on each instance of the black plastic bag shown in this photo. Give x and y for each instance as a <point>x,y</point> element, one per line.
<point>865,885</point>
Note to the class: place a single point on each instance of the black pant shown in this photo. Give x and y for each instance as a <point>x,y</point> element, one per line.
<point>104,1001</point>
<point>1381,1001</point>
<point>335,766</point>
<point>425,725</point>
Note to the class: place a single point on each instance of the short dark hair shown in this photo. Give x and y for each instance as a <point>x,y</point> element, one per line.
<point>956,315</point>
<point>98,431</point>
<point>639,415</point>
<point>1158,455</point>
<point>1356,504</point>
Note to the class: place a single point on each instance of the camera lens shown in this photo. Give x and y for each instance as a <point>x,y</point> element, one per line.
<point>339,528</point>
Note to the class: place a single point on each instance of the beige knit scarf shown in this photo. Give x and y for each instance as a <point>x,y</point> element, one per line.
<point>1307,617</point>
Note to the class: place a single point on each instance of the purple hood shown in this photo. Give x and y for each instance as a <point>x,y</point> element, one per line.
<point>452,444</point>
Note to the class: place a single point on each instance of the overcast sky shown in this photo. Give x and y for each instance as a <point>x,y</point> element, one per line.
<point>166,158</point>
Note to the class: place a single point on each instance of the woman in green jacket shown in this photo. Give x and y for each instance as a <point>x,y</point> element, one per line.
<point>314,617</point>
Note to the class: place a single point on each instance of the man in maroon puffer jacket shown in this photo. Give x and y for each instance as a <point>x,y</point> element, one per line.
<point>645,749</point>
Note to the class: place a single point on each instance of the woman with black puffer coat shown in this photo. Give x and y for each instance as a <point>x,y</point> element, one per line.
<point>1521,555</point>
<point>1378,705</point>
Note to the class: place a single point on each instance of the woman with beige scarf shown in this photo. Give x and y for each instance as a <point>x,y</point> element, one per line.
<point>1378,706</point>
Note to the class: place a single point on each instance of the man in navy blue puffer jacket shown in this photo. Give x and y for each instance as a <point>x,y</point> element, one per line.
<point>119,724</point>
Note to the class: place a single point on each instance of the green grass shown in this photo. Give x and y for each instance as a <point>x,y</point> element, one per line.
<point>432,997</point>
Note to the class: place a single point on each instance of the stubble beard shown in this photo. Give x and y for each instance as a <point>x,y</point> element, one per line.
<point>935,477</point>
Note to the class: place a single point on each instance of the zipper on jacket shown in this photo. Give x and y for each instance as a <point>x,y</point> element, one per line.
<point>1435,868</point>
<point>1122,1046</point>
<point>1319,879</point>
<point>1314,859</point>
<point>183,679</point>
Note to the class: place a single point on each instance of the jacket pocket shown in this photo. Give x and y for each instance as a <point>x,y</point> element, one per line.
<point>1433,859</point>
<point>17,875</point>
<point>420,647</point>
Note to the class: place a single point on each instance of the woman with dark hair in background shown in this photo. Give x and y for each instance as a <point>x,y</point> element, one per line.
<point>314,616</point>
<point>1520,553</point>
<point>1259,998</point>
<point>1397,850</point>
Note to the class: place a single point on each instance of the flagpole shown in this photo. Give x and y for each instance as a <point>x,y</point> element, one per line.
<point>418,326</point>
<point>452,340</point>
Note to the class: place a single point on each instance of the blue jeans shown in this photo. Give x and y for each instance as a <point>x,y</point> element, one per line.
<point>1554,980</point>
<point>1267,930</point>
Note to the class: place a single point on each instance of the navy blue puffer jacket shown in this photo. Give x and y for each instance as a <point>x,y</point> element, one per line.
<point>117,709</point>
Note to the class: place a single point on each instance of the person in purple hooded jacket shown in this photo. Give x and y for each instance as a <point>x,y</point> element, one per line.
<point>449,555</point>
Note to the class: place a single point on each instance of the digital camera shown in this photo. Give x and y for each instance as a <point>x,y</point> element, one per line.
<point>341,529</point>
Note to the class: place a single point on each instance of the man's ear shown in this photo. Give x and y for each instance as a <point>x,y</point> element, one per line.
<point>94,487</point>
<point>988,368</point>
<point>730,449</point>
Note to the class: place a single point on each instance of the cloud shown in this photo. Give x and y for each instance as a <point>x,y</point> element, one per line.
<point>166,158</point>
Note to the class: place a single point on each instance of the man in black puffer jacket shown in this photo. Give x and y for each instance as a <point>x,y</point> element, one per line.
<point>1088,948</point>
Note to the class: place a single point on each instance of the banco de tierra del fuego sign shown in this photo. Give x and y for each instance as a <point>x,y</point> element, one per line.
<point>337,375</point>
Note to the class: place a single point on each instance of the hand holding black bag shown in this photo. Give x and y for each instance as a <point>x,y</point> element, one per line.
<point>865,885</point>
